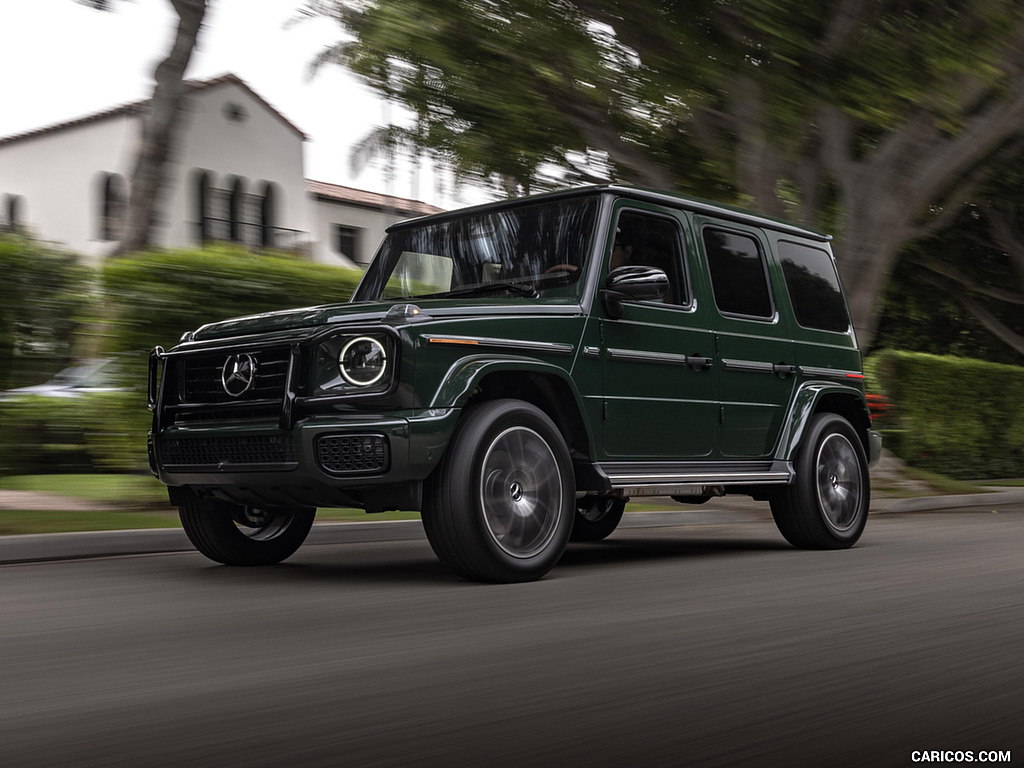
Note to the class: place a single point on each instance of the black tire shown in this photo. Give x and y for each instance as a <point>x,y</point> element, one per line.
<point>236,535</point>
<point>598,519</point>
<point>499,507</point>
<point>826,507</point>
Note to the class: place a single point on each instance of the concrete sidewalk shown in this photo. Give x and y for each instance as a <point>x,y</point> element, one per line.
<point>732,509</point>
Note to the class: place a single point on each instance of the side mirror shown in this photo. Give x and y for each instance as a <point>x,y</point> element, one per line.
<point>633,284</point>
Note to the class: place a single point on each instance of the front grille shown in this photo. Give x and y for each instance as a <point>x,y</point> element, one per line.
<point>352,454</point>
<point>201,374</point>
<point>240,450</point>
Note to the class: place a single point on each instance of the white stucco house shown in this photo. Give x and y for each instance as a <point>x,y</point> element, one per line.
<point>236,175</point>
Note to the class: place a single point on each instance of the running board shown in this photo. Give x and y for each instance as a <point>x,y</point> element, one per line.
<point>688,479</point>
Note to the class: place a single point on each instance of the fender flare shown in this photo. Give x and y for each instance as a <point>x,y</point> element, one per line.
<point>461,379</point>
<point>804,406</point>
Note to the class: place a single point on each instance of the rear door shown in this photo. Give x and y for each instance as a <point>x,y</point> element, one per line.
<point>753,340</point>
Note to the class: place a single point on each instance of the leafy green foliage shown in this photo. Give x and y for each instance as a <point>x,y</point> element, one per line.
<point>921,314</point>
<point>43,294</point>
<point>853,117</point>
<point>97,431</point>
<point>142,301</point>
<point>502,87</point>
<point>42,434</point>
<point>159,296</point>
<point>960,417</point>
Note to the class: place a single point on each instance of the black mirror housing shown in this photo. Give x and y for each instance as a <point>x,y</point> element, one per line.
<point>633,284</point>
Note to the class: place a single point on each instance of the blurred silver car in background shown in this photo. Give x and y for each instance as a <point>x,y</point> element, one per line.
<point>85,377</point>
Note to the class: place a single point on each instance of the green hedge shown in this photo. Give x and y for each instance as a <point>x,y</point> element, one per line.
<point>43,294</point>
<point>963,418</point>
<point>154,298</point>
<point>103,431</point>
<point>137,303</point>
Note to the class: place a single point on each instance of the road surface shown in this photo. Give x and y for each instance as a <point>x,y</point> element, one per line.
<point>704,645</point>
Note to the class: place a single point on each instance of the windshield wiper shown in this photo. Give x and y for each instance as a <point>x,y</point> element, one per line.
<point>523,289</point>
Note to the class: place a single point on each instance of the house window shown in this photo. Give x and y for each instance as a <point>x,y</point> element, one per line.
<point>113,206</point>
<point>268,213</point>
<point>235,113</point>
<point>13,213</point>
<point>236,211</point>
<point>201,182</point>
<point>346,241</point>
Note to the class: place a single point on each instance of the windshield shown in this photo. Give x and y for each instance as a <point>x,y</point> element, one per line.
<point>525,250</point>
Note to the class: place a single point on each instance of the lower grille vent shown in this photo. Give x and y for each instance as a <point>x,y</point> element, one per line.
<point>213,451</point>
<point>352,454</point>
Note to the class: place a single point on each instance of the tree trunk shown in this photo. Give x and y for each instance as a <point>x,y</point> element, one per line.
<point>159,128</point>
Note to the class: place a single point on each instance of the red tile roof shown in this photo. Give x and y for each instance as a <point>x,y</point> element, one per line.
<point>139,107</point>
<point>360,197</point>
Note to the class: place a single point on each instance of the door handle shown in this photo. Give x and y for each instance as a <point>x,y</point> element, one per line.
<point>783,370</point>
<point>699,363</point>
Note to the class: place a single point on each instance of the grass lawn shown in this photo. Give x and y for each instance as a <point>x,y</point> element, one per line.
<point>110,489</point>
<point>18,521</point>
<point>942,484</point>
<point>138,501</point>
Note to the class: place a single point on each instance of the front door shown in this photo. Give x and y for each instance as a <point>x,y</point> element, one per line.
<point>658,373</point>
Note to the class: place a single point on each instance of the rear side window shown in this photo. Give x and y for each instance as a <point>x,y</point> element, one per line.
<point>813,287</point>
<point>738,275</point>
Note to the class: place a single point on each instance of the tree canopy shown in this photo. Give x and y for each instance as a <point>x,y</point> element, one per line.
<point>871,119</point>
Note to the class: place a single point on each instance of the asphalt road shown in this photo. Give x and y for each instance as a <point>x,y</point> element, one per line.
<point>704,645</point>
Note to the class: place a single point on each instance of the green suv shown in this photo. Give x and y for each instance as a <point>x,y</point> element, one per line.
<point>517,372</point>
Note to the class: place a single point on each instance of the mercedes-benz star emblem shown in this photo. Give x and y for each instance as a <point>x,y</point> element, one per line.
<point>238,374</point>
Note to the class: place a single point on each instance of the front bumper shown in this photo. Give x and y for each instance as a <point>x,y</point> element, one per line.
<point>371,460</point>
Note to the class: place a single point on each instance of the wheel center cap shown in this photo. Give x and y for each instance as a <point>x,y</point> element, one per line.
<point>516,492</point>
<point>835,482</point>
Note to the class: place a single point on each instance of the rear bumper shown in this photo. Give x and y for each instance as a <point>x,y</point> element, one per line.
<point>874,447</point>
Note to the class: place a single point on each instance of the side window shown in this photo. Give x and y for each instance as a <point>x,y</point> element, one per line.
<point>813,287</point>
<point>646,240</point>
<point>738,275</point>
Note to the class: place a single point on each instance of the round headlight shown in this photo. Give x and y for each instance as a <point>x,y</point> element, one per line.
<point>362,361</point>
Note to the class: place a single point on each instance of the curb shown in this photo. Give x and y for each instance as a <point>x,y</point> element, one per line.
<point>37,547</point>
<point>997,498</point>
<point>40,547</point>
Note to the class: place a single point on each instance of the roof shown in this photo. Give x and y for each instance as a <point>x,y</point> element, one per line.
<point>336,193</point>
<point>672,199</point>
<point>139,107</point>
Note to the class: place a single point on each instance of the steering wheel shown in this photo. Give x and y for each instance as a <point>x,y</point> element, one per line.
<point>568,269</point>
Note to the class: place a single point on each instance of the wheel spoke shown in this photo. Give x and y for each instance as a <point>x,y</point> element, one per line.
<point>520,492</point>
<point>838,482</point>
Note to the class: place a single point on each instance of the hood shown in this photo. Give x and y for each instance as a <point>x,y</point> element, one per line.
<point>309,318</point>
<point>291,320</point>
